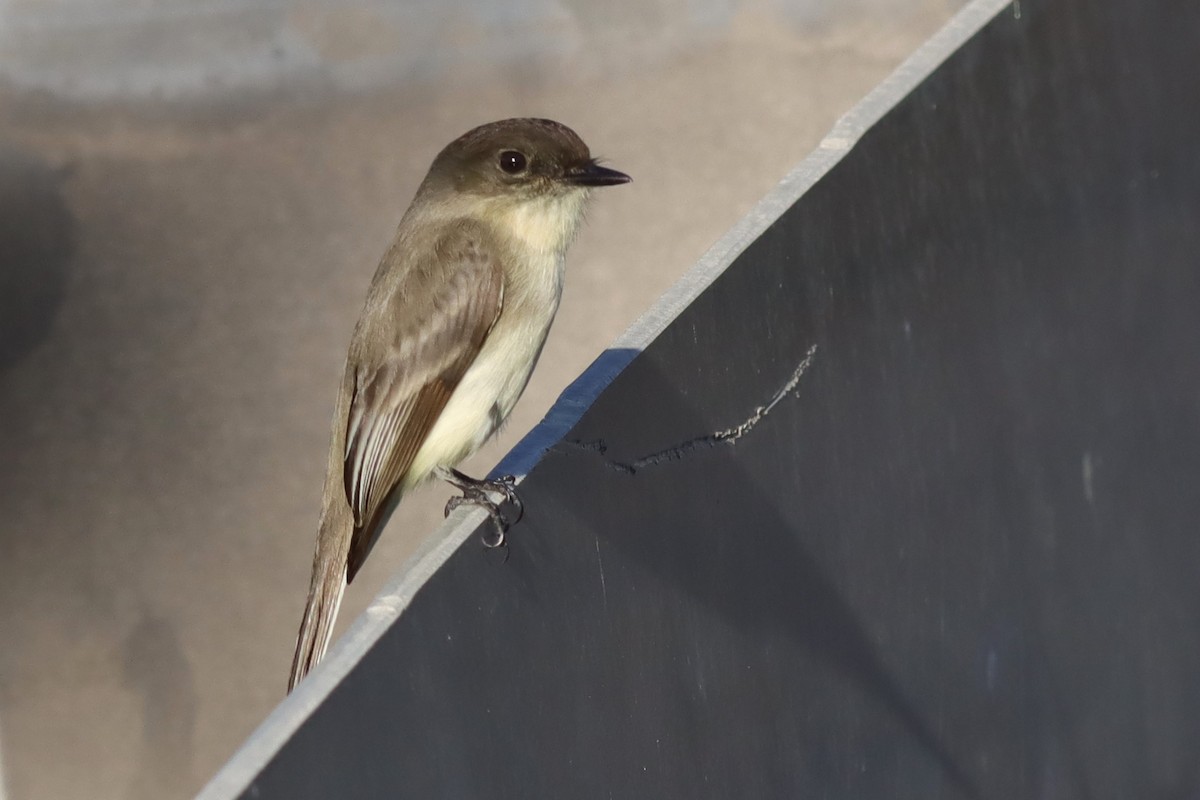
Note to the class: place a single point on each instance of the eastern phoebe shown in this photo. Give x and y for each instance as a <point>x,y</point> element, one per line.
<point>453,324</point>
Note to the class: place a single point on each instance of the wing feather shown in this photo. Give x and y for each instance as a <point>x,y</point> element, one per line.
<point>451,301</point>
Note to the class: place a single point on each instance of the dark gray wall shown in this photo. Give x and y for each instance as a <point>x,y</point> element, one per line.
<point>958,560</point>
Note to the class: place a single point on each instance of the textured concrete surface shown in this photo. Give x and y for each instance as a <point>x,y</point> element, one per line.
<point>179,275</point>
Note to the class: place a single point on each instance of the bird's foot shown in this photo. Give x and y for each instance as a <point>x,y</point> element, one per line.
<point>476,492</point>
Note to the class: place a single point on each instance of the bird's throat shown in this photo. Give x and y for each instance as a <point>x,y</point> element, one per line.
<point>546,225</point>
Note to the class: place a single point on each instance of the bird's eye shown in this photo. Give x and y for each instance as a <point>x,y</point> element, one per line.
<point>512,162</point>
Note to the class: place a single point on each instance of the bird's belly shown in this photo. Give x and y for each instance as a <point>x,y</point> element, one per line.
<point>485,396</point>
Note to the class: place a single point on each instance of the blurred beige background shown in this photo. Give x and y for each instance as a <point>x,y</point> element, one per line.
<point>193,196</point>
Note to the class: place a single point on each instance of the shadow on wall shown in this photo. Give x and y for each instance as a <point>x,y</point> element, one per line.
<point>156,667</point>
<point>36,247</point>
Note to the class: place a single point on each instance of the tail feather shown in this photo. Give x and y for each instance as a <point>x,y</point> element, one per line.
<point>334,534</point>
<point>324,592</point>
<point>316,627</point>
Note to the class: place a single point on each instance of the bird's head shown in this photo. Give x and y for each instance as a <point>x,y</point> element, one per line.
<point>522,158</point>
<point>529,176</point>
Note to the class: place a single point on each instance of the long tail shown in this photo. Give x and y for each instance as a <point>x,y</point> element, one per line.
<point>324,596</point>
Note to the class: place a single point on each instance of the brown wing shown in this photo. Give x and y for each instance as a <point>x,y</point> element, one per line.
<point>445,308</point>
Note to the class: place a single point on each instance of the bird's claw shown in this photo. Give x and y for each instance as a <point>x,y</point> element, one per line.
<point>507,486</point>
<point>475,493</point>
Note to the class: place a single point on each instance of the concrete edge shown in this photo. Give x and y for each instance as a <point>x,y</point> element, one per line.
<point>239,772</point>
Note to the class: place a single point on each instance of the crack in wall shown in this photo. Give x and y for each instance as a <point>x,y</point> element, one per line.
<point>726,436</point>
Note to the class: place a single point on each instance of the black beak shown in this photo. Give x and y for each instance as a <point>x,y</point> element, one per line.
<point>592,174</point>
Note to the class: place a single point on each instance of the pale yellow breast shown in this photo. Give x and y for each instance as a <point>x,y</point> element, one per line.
<point>537,233</point>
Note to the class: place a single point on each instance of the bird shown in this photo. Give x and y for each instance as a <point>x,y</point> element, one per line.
<point>453,323</point>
